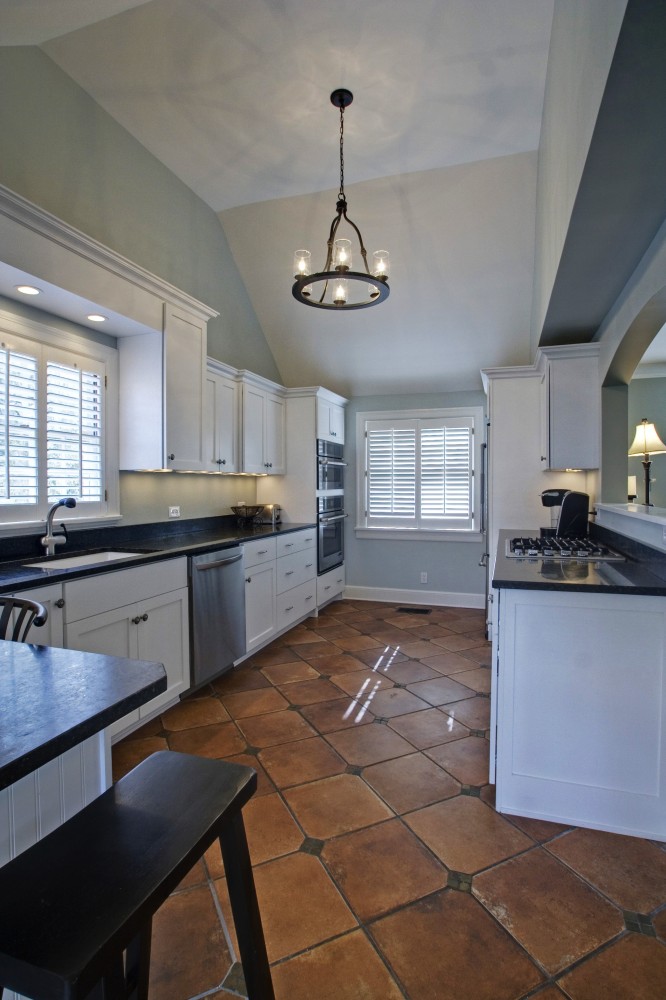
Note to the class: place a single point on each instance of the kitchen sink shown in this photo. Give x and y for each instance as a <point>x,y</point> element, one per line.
<point>84,559</point>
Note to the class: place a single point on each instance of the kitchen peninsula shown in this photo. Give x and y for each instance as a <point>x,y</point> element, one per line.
<point>579,688</point>
<point>56,706</point>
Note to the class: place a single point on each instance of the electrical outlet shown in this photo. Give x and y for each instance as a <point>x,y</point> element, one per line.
<point>174,511</point>
<point>424,577</point>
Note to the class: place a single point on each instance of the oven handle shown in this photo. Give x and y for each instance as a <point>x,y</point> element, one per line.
<point>335,517</point>
<point>331,461</point>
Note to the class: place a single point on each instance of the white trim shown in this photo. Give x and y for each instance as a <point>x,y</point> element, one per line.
<point>435,598</point>
<point>61,234</point>
<point>650,369</point>
<point>415,535</point>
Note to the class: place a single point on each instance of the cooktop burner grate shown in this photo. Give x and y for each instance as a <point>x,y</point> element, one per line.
<point>560,547</point>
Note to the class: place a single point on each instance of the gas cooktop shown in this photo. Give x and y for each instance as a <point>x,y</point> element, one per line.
<point>560,547</point>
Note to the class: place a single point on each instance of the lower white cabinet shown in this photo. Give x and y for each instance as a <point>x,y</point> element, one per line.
<point>52,633</point>
<point>140,614</point>
<point>280,584</point>
<point>580,691</point>
<point>330,585</point>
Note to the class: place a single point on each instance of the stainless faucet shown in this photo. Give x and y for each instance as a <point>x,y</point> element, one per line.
<point>49,541</point>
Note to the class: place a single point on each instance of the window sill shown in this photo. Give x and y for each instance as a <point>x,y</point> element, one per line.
<point>417,535</point>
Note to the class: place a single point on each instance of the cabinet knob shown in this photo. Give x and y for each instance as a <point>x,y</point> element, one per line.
<point>171,457</point>
<point>144,618</point>
<point>543,458</point>
<point>221,461</point>
<point>60,603</point>
<point>135,621</point>
<point>248,579</point>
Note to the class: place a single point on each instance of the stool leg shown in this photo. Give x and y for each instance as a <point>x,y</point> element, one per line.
<point>245,909</point>
<point>137,963</point>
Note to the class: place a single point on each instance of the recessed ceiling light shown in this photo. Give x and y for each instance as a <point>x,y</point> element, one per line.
<point>97,318</point>
<point>28,290</point>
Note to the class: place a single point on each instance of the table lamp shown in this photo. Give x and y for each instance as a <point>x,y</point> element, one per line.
<point>647,442</point>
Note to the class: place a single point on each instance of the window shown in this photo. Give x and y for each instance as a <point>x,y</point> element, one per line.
<point>417,470</point>
<point>55,439</point>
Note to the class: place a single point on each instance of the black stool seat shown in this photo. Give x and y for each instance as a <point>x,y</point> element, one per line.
<point>78,899</point>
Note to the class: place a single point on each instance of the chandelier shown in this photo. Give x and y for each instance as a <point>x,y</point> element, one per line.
<point>338,286</point>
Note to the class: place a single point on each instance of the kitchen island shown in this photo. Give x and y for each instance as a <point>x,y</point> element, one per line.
<point>579,692</point>
<point>54,759</point>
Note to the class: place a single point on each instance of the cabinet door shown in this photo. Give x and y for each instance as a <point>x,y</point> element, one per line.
<point>184,368</point>
<point>50,634</point>
<point>254,408</point>
<point>274,444</point>
<point>330,421</point>
<point>221,424</point>
<point>259,604</point>
<point>113,634</point>
<point>571,409</point>
<point>162,636</point>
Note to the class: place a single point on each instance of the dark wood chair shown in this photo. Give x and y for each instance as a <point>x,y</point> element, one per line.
<point>28,613</point>
<point>77,906</point>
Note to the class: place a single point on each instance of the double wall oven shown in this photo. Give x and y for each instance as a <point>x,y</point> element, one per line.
<point>330,505</point>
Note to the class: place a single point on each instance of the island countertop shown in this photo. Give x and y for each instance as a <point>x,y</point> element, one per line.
<point>53,699</point>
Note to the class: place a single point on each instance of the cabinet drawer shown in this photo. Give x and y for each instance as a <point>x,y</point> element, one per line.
<point>294,570</point>
<point>330,585</point>
<point>261,551</point>
<point>116,588</point>
<point>296,541</point>
<point>295,604</point>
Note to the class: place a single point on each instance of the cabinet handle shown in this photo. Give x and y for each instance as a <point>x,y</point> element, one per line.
<point>289,572</point>
<point>543,458</point>
<point>289,545</point>
<point>60,603</point>
<point>144,618</point>
<point>327,587</point>
<point>135,621</point>
<point>171,457</point>
<point>221,461</point>
<point>290,608</point>
<point>308,565</point>
<point>248,579</point>
<point>262,552</point>
<point>310,597</point>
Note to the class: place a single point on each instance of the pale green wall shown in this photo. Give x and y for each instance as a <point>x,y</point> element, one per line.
<point>452,567</point>
<point>61,151</point>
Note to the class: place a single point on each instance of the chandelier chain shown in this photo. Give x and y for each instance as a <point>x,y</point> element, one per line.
<point>342,157</point>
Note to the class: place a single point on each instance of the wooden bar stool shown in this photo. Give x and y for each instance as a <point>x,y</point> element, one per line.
<point>77,907</point>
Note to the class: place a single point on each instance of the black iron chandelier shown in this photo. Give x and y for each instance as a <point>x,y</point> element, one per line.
<point>338,286</point>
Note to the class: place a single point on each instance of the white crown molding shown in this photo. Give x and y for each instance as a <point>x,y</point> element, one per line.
<point>650,369</point>
<point>59,233</point>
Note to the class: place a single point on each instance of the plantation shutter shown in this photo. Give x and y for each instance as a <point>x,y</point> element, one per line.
<point>74,430</point>
<point>18,427</point>
<point>419,473</point>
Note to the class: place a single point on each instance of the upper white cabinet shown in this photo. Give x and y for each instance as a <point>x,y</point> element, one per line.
<point>263,427</point>
<point>162,395</point>
<point>571,407</point>
<point>330,420</point>
<point>221,407</point>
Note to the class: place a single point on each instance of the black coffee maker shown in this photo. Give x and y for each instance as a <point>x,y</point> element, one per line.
<point>569,513</point>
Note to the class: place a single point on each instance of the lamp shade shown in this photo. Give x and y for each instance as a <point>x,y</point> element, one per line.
<point>647,441</point>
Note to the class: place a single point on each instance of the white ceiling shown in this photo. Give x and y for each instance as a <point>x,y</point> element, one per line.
<point>440,157</point>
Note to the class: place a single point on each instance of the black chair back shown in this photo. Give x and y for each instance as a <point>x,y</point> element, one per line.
<point>27,613</point>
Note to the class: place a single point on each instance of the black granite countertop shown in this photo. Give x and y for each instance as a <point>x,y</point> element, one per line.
<point>53,699</point>
<point>532,573</point>
<point>148,543</point>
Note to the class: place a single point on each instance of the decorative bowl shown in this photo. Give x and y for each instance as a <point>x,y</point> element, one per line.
<point>249,512</point>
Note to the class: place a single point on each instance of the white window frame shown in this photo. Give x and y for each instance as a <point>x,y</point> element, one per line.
<point>31,336</point>
<point>364,529</point>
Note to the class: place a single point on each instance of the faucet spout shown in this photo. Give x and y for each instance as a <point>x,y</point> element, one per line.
<point>50,540</point>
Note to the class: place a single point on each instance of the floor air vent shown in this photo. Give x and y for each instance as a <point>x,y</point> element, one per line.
<point>415,611</point>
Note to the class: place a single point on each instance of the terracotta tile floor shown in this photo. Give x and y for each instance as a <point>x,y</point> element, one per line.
<point>382,868</point>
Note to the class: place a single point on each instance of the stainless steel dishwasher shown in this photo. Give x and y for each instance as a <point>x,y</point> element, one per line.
<point>217,612</point>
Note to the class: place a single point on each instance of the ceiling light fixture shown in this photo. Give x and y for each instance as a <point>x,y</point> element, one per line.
<point>28,290</point>
<point>338,286</point>
<point>96,318</point>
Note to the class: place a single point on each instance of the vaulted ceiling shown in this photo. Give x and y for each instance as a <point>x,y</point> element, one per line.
<point>440,158</point>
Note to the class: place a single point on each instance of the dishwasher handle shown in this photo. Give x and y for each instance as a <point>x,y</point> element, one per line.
<point>217,563</point>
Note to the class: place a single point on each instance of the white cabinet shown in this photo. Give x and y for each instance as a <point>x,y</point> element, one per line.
<point>220,420</point>
<point>571,407</point>
<point>50,634</point>
<point>259,564</point>
<point>161,416</point>
<point>139,614</point>
<point>263,430</point>
<point>280,584</point>
<point>330,585</point>
<point>330,420</point>
<point>581,703</point>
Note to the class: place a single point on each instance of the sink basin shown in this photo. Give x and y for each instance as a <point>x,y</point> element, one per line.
<point>84,559</point>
